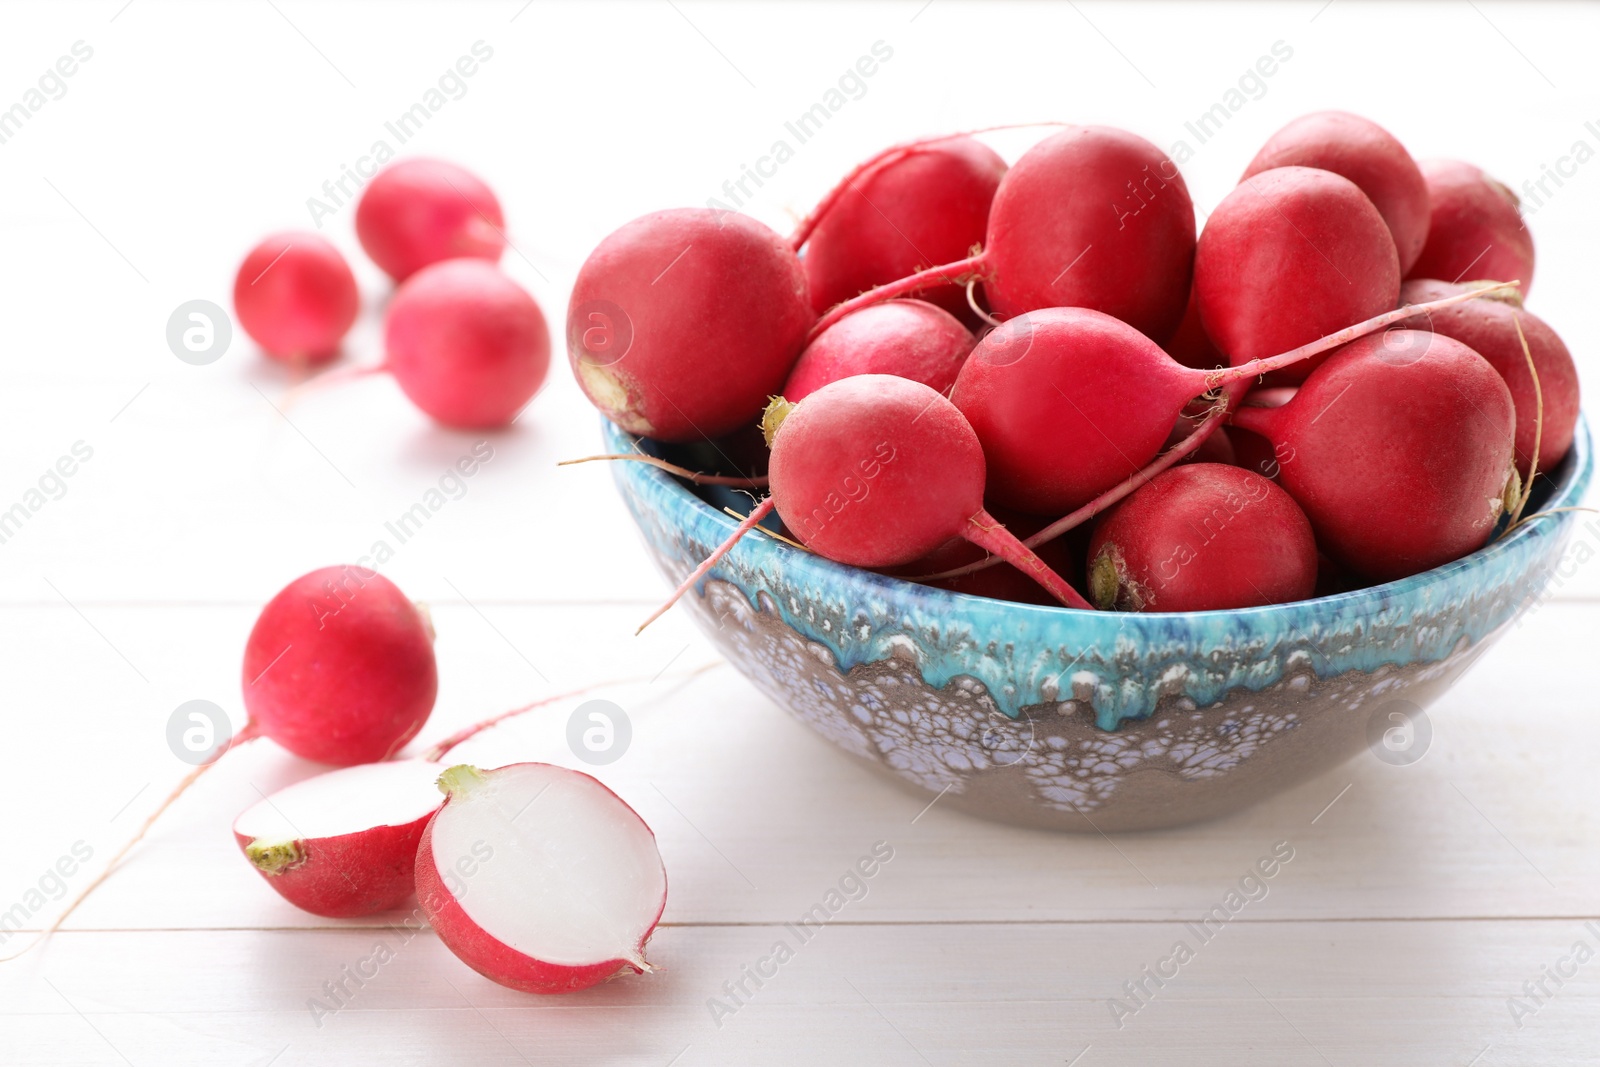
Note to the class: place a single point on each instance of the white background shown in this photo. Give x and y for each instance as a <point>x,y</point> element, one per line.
<point>1416,905</point>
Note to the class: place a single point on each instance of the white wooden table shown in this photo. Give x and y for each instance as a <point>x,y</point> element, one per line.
<point>1423,905</point>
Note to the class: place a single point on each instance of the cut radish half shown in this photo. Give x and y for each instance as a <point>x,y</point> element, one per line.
<point>540,878</point>
<point>343,843</point>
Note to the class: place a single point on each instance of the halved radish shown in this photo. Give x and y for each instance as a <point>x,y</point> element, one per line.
<point>344,843</point>
<point>539,877</point>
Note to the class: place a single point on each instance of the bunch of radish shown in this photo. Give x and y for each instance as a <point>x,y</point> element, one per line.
<point>466,344</point>
<point>536,876</point>
<point>1334,374</point>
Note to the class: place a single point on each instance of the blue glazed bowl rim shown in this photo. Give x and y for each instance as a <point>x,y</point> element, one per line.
<point>1576,472</point>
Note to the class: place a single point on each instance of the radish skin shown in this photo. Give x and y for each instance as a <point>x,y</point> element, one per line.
<point>339,667</point>
<point>1368,155</point>
<point>907,338</point>
<point>467,344</point>
<point>928,206</point>
<point>1475,228</point>
<point>1547,411</point>
<point>1292,254</point>
<point>540,878</point>
<point>418,212</point>
<point>1203,537</point>
<point>295,296</point>
<point>1400,450</point>
<point>682,323</point>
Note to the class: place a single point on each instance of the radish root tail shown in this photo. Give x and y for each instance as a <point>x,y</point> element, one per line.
<point>697,477</point>
<point>244,736</point>
<point>761,511</point>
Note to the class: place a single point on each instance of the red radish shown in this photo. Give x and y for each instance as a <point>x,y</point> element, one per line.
<point>1091,217</point>
<point>1068,402</point>
<point>540,878</point>
<point>1399,449</point>
<point>929,206</point>
<point>1203,537</point>
<point>1190,346</point>
<point>467,344</point>
<point>1292,254</point>
<point>682,323</point>
<point>1252,451</point>
<point>343,844</point>
<point>876,471</point>
<point>1367,154</point>
<point>1235,385</point>
<point>907,338</point>
<point>1489,328</point>
<point>296,298</point>
<point>422,211</point>
<point>339,667</point>
<point>1475,229</point>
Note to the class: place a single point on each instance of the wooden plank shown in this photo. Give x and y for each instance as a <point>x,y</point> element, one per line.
<point>1269,993</point>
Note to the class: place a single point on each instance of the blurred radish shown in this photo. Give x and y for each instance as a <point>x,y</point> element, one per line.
<point>682,323</point>
<point>1399,449</point>
<point>296,298</point>
<point>1292,254</point>
<point>1202,537</point>
<point>929,206</point>
<point>540,878</point>
<point>343,844</point>
<point>907,338</point>
<point>1489,328</point>
<point>1367,154</point>
<point>1475,229</point>
<point>422,211</point>
<point>467,344</point>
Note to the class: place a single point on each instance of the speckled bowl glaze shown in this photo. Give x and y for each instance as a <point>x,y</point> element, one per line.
<point>1076,720</point>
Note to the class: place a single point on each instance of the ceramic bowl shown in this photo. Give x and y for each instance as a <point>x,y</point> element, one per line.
<point>1078,720</point>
